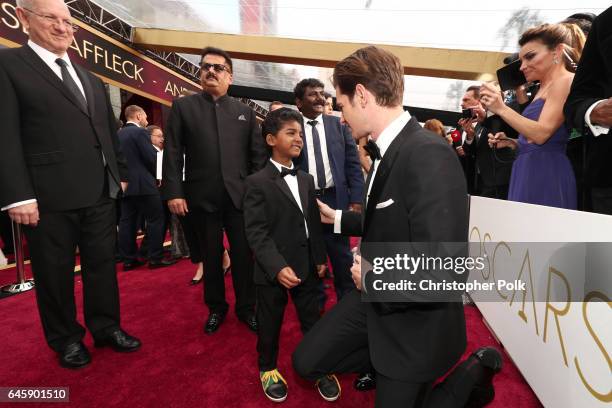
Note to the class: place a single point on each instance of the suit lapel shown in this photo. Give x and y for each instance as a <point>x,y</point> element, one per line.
<point>302,180</point>
<point>34,61</point>
<point>87,87</point>
<point>280,183</point>
<point>330,134</point>
<point>386,164</point>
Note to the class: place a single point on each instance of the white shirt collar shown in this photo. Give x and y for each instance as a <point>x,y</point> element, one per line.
<point>388,135</point>
<point>319,119</point>
<point>280,166</point>
<point>47,56</point>
<point>133,123</point>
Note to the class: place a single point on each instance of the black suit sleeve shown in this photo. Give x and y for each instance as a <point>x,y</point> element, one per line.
<point>589,82</point>
<point>350,223</point>
<point>259,152</point>
<point>173,161</point>
<point>257,231</point>
<point>354,176</point>
<point>122,165</point>
<point>15,182</point>
<point>317,240</point>
<point>146,151</point>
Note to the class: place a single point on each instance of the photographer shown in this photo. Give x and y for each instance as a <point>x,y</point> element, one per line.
<point>542,173</point>
<point>492,167</point>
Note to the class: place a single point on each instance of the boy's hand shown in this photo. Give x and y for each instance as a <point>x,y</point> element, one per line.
<point>288,278</point>
<point>321,270</point>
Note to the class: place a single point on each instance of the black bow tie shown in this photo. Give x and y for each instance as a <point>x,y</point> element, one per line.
<point>285,171</point>
<point>373,150</point>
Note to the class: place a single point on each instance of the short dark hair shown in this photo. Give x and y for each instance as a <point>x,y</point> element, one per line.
<point>152,128</point>
<point>275,120</point>
<point>378,70</point>
<point>221,53</point>
<point>300,88</point>
<point>327,95</point>
<point>475,89</point>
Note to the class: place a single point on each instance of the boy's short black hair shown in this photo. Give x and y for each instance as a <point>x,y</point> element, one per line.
<point>275,120</point>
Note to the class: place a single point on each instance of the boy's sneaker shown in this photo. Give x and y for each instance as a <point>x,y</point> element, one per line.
<point>329,387</point>
<point>274,385</point>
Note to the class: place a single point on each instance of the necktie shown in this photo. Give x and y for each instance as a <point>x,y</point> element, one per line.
<point>316,144</point>
<point>286,172</point>
<point>70,84</point>
<point>373,150</point>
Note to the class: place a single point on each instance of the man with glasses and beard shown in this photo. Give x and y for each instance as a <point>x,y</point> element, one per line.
<point>218,141</point>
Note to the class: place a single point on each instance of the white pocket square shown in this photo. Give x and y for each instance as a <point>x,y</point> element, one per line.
<point>384,204</point>
<point>241,117</point>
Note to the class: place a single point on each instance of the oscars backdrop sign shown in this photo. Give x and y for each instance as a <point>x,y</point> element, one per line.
<point>558,330</point>
<point>114,62</point>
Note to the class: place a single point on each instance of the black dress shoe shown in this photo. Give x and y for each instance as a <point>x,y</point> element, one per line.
<point>365,382</point>
<point>162,263</point>
<point>213,322</point>
<point>74,355</point>
<point>195,282</point>
<point>490,363</point>
<point>128,266</point>
<point>119,341</point>
<point>251,322</point>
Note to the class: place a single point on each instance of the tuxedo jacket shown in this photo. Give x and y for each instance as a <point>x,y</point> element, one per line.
<point>495,166</point>
<point>222,144</point>
<point>52,148</point>
<point>141,158</point>
<point>419,194</point>
<point>275,228</point>
<point>343,161</point>
<point>593,82</point>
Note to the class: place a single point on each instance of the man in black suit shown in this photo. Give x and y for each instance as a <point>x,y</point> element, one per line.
<point>492,167</point>
<point>415,192</point>
<point>589,109</point>
<point>330,156</point>
<point>60,172</point>
<point>222,144</point>
<point>142,196</point>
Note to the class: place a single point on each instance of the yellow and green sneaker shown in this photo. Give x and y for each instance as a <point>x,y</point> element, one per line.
<point>274,385</point>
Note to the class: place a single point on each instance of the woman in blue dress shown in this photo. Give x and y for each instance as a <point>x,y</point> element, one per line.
<point>542,173</point>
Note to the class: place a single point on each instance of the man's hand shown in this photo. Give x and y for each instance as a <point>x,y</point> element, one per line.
<point>26,214</point>
<point>356,271</point>
<point>124,186</point>
<point>328,214</point>
<point>460,151</point>
<point>178,206</point>
<point>468,128</point>
<point>288,278</point>
<point>321,270</point>
<point>354,207</point>
<point>602,113</point>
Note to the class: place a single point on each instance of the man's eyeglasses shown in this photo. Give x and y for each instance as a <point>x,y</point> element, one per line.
<point>56,21</point>
<point>217,67</point>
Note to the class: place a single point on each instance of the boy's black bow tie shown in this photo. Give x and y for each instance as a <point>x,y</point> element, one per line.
<point>285,171</point>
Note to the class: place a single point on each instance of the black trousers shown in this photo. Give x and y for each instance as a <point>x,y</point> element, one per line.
<point>52,247</point>
<point>150,206</point>
<point>209,227</point>
<point>271,303</point>
<point>339,252</point>
<point>338,343</point>
<point>6,233</point>
<point>602,200</point>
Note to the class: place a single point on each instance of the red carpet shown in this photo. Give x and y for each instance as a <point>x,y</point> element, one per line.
<point>178,365</point>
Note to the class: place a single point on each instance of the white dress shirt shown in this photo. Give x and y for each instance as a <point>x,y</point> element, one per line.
<point>49,58</point>
<point>312,164</point>
<point>383,142</point>
<point>595,129</point>
<point>292,183</point>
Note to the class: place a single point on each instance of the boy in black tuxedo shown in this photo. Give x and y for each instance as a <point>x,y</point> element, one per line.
<point>284,231</point>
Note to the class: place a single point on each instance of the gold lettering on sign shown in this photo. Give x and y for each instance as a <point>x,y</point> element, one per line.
<point>75,46</point>
<point>590,296</point>
<point>9,9</point>
<point>521,313</point>
<point>173,89</point>
<point>557,312</point>
<point>505,297</point>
